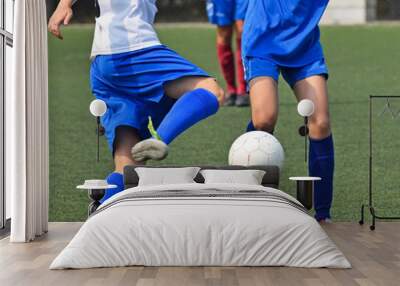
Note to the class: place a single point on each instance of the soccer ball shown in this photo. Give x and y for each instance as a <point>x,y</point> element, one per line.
<point>257,148</point>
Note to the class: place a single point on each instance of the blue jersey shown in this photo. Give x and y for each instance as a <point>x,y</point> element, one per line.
<point>284,32</point>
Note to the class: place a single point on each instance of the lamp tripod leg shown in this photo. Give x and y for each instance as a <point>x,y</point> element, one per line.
<point>306,138</point>
<point>372,210</point>
<point>98,139</point>
<point>361,222</point>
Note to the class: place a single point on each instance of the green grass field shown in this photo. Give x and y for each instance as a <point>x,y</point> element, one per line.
<point>362,61</point>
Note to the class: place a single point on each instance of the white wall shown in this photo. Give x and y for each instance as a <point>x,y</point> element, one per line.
<point>346,12</point>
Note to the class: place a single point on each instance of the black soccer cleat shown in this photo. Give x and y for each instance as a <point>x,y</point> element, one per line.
<point>230,100</point>
<point>242,100</point>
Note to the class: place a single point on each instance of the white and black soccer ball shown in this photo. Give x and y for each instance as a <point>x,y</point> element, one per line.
<point>257,148</point>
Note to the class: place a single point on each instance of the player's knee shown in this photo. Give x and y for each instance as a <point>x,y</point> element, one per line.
<point>320,127</point>
<point>220,95</point>
<point>212,86</point>
<point>224,35</point>
<point>265,122</point>
<point>239,28</point>
<point>224,40</point>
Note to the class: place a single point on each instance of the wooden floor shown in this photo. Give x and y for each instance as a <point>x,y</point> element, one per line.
<point>375,257</point>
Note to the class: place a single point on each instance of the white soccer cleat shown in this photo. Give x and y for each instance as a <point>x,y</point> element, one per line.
<point>149,149</point>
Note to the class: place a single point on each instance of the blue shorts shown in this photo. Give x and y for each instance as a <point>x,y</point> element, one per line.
<point>258,67</point>
<point>132,86</point>
<point>226,12</point>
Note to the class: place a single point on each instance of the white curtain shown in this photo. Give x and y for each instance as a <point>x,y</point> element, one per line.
<point>27,145</point>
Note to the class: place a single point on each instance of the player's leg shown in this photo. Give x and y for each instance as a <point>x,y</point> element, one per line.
<point>242,98</point>
<point>315,89</point>
<point>240,13</point>
<point>179,87</point>
<point>221,13</point>
<point>321,153</point>
<point>196,99</point>
<point>264,103</point>
<point>262,77</point>
<point>125,138</point>
<point>121,121</point>
<point>226,61</point>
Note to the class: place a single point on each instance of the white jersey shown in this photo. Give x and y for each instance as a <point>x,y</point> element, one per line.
<point>124,26</point>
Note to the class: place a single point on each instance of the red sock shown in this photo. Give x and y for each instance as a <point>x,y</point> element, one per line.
<point>227,64</point>
<point>240,71</point>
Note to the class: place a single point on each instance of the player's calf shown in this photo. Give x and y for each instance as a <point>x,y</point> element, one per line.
<point>125,138</point>
<point>264,120</point>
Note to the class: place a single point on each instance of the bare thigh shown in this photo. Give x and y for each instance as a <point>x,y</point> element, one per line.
<point>315,89</point>
<point>264,103</point>
<point>179,87</point>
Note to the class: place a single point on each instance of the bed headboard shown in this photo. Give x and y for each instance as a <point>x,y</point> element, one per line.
<point>271,178</point>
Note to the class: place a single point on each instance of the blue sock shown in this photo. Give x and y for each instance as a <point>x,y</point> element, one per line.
<point>250,127</point>
<point>114,179</point>
<point>321,164</point>
<point>188,110</point>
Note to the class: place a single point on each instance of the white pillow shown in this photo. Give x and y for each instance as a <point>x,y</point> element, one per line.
<point>246,177</point>
<point>166,176</point>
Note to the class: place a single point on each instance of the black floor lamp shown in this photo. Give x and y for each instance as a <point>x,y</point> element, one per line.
<point>305,185</point>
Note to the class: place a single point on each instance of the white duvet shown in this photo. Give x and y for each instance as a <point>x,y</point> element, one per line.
<point>200,231</point>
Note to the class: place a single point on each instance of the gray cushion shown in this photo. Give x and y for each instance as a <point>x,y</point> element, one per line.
<point>270,179</point>
<point>166,176</point>
<point>247,177</point>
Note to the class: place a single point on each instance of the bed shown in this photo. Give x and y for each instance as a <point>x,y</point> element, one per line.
<point>201,224</point>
